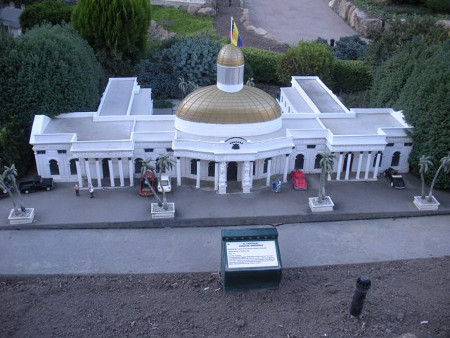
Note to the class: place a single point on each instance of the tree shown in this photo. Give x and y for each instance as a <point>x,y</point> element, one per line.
<point>8,182</point>
<point>424,164</point>
<point>308,58</point>
<point>445,166</point>
<point>52,11</point>
<point>163,163</point>
<point>326,165</point>
<point>116,29</point>
<point>147,166</point>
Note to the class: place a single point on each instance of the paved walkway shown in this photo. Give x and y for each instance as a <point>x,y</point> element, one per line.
<point>293,20</point>
<point>123,251</point>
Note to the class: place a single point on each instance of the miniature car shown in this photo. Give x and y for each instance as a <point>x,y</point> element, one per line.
<point>298,180</point>
<point>395,178</point>
<point>164,182</point>
<point>37,183</point>
<point>145,189</point>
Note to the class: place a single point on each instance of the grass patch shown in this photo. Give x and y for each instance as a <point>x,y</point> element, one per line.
<point>181,22</point>
<point>390,11</point>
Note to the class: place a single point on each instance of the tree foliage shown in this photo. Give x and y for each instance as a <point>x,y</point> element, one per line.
<point>417,80</point>
<point>51,11</point>
<point>308,58</point>
<point>349,48</point>
<point>49,70</point>
<point>116,29</point>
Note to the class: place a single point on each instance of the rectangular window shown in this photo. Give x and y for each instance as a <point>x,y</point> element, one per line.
<point>148,150</point>
<point>390,145</point>
<point>40,152</point>
<point>61,151</point>
<point>311,146</point>
<point>169,150</point>
<point>408,144</point>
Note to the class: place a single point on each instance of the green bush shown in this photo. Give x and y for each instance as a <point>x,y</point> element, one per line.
<point>308,58</point>
<point>52,11</point>
<point>263,64</point>
<point>49,70</point>
<point>159,78</point>
<point>351,76</point>
<point>349,48</point>
<point>438,5</point>
<point>399,33</point>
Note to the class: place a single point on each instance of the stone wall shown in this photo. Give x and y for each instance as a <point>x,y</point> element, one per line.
<point>359,20</point>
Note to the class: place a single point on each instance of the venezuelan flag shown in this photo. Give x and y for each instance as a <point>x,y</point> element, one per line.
<point>236,39</point>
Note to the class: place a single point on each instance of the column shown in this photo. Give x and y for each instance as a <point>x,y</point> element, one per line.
<point>246,178</point>
<point>223,178</point>
<point>286,166</point>
<point>377,165</point>
<point>122,181</point>
<point>369,159</point>
<point>358,172</point>
<point>131,170</point>
<point>339,168</point>
<point>178,171</point>
<point>88,171</point>
<point>197,182</point>
<point>111,173</point>
<point>348,168</point>
<point>99,176</point>
<point>269,165</point>
<point>216,176</point>
<point>80,179</point>
<point>251,173</point>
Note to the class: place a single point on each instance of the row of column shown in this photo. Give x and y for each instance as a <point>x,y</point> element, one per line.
<point>89,176</point>
<point>360,161</point>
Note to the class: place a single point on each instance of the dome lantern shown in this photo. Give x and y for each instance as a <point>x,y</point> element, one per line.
<point>230,69</point>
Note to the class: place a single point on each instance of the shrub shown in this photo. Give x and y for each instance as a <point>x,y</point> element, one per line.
<point>399,33</point>
<point>349,48</point>
<point>351,76</point>
<point>159,78</point>
<point>308,58</point>
<point>52,11</point>
<point>438,5</point>
<point>263,63</point>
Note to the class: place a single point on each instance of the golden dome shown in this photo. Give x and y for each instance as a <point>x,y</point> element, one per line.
<point>230,56</point>
<point>212,105</point>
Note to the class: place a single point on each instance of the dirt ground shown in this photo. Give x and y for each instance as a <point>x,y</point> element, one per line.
<point>407,297</point>
<point>250,39</point>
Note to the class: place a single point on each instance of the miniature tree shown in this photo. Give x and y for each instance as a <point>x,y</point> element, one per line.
<point>326,163</point>
<point>147,166</point>
<point>424,164</point>
<point>183,86</point>
<point>8,183</point>
<point>445,165</point>
<point>164,162</point>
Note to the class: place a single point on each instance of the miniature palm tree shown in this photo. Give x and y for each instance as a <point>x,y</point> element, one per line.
<point>147,166</point>
<point>250,82</point>
<point>183,86</point>
<point>424,164</point>
<point>326,163</point>
<point>445,165</point>
<point>163,163</point>
<point>8,180</point>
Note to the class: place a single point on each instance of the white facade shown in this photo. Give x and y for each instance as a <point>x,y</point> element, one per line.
<point>105,147</point>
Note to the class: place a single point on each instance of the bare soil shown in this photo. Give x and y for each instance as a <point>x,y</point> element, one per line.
<point>250,38</point>
<point>407,297</point>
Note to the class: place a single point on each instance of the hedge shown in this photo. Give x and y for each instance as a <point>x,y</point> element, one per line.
<point>263,64</point>
<point>351,76</point>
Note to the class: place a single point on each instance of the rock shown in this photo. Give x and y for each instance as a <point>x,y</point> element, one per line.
<point>193,9</point>
<point>240,322</point>
<point>407,335</point>
<point>207,11</point>
<point>370,27</point>
<point>260,31</point>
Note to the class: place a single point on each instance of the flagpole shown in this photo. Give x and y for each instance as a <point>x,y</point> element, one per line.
<point>231,31</point>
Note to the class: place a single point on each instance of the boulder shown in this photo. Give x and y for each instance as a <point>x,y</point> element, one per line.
<point>371,27</point>
<point>193,9</point>
<point>207,11</point>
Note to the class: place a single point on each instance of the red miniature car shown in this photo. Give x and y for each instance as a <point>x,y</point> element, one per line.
<point>298,180</point>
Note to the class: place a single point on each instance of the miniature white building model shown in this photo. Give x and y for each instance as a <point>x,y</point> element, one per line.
<point>221,133</point>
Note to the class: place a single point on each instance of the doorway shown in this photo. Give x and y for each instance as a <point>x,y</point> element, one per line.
<point>232,171</point>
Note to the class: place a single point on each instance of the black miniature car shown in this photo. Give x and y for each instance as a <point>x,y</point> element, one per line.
<point>38,183</point>
<point>395,178</point>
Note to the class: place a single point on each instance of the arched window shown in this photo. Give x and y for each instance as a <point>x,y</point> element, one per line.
<point>54,167</point>
<point>193,167</point>
<point>211,168</point>
<point>375,159</point>
<point>317,161</point>
<point>395,159</point>
<point>138,165</point>
<point>299,161</point>
<point>73,166</point>
<point>266,163</point>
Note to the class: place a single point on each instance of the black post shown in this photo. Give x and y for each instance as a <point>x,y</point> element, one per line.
<point>362,287</point>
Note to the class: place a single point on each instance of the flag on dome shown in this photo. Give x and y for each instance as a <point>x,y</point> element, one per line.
<point>236,39</point>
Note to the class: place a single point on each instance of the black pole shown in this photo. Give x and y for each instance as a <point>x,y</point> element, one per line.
<point>362,287</point>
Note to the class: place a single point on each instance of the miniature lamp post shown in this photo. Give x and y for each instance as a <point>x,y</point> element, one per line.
<point>362,287</point>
